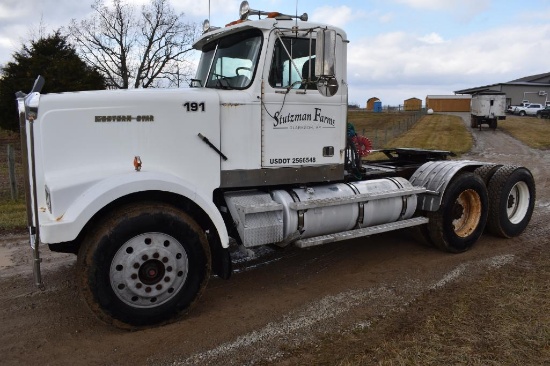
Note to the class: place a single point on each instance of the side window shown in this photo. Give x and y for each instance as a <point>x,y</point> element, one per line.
<point>292,66</point>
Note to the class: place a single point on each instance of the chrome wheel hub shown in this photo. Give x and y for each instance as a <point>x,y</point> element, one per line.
<point>149,270</point>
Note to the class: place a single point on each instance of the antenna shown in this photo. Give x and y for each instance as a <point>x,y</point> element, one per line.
<point>209,10</point>
<point>296,14</point>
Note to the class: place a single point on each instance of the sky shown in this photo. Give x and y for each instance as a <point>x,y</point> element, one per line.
<point>398,49</point>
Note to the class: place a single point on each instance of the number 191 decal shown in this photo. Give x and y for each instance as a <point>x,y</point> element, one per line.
<point>194,106</point>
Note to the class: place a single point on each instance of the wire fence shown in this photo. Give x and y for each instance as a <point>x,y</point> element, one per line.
<point>382,127</point>
<point>11,172</point>
<point>382,137</point>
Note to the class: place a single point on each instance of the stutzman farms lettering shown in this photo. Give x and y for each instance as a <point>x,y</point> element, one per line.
<point>146,118</point>
<point>302,117</point>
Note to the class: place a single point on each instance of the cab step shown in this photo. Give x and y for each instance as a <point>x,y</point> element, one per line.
<point>357,233</point>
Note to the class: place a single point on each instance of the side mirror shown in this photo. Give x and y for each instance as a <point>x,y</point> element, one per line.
<point>325,63</point>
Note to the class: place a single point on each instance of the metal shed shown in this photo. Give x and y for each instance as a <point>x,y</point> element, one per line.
<point>448,103</point>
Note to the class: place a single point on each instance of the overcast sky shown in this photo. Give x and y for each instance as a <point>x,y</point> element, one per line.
<point>398,48</point>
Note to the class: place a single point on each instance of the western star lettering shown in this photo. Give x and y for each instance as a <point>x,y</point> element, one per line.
<point>125,118</point>
<point>317,116</point>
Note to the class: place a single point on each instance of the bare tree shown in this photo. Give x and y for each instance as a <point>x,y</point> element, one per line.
<point>135,49</point>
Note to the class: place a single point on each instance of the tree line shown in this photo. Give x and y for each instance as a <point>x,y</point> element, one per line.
<point>119,46</point>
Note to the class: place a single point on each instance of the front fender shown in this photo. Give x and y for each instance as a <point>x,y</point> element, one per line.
<point>67,226</point>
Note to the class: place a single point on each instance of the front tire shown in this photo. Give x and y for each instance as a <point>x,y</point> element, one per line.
<point>145,264</point>
<point>462,215</point>
<point>512,201</point>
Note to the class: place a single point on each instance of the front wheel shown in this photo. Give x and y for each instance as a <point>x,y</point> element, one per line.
<point>522,113</point>
<point>462,215</point>
<point>144,265</point>
<point>512,201</point>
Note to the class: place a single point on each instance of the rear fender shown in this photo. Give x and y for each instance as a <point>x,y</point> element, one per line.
<point>435,176</point>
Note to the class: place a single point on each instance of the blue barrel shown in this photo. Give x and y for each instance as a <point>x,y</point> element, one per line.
<point>377,106</point>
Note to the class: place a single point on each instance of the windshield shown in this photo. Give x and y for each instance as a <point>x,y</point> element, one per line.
<point>230,62</point>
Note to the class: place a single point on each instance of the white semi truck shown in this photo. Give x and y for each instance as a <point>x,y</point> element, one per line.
<point>148,186</point>
<point>488,107</point>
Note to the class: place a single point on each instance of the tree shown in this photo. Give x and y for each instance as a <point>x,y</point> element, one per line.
<point>53,58</point>
<point>144,50</point>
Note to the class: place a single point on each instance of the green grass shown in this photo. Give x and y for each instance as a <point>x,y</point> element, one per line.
<point>531,131</point>
<point>12,215</point>
<point>436,132</point>
<point>12,212</point>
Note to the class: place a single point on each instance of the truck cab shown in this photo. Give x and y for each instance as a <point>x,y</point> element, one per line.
<point>269,98</point>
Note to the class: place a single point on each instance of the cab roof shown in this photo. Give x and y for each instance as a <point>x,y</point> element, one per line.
<point>266,24</point>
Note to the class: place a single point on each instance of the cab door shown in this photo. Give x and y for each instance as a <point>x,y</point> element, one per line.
<point>300,127</point>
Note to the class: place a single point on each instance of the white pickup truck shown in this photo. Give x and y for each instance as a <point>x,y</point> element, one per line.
<point>512,108</point>
<point>529,110</point>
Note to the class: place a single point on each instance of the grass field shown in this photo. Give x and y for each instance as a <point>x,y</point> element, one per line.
<point>531,131</point>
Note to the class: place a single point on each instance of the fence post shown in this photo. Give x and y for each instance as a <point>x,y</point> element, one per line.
<point>11,169</point>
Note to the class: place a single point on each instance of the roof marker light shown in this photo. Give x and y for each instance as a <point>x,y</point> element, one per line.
<point>244,10</point>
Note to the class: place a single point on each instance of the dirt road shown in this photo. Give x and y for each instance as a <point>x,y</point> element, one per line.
<point>280,298</point>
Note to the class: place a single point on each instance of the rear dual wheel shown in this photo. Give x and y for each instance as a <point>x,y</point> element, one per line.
<point>499,197</point>
<point>144,265</point>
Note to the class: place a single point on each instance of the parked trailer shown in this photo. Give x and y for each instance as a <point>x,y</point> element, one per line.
<point>148,186</point>
<point>488,108</point>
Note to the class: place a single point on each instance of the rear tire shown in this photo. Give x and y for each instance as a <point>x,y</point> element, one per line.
<point>486,172</point>
<point>145,264</point>
<point>512,201</point>
<point>462,215</point>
